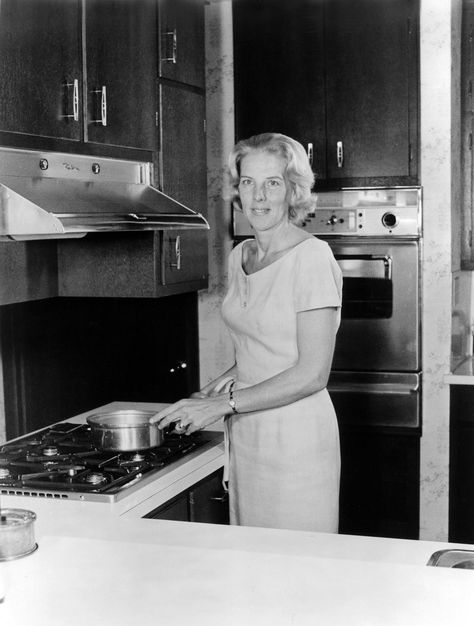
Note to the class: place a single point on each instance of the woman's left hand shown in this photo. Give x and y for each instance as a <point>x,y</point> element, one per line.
<point>191,414</point>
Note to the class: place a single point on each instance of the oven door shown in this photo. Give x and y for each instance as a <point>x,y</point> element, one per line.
<point>380,307</point>
<point>376,399</point>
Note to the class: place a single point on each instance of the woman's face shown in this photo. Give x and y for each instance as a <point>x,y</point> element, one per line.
<point>263,189</point>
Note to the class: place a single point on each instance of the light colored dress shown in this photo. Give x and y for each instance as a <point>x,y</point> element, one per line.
<point>284,463</point>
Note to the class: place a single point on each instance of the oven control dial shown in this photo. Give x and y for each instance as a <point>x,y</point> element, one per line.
<point>333,220</point>
<point>389,220</point>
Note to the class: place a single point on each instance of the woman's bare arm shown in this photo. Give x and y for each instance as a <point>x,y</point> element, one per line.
<point>316,339</point>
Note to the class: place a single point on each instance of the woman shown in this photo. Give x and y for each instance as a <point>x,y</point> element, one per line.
<point>282,309</point>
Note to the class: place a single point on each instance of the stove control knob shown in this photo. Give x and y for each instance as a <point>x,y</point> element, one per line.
<point>332,220</point>
<point>389,220</point>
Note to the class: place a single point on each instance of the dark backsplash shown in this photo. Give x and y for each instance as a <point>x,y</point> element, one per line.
<point>63,356</point>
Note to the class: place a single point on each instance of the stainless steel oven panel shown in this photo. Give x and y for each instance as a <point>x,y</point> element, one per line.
<point>376,399</point>
<point>380,325</point>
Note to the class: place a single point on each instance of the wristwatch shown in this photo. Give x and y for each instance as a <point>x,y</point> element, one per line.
<point>231,400</point>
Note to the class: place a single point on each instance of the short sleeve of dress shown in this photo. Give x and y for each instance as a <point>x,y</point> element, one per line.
<point>318,280</point>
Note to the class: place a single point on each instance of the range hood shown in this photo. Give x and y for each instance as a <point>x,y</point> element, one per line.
<point>45,195</point>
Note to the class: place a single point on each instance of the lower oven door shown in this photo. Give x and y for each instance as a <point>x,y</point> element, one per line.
<point>376,399</point>
<point>380,305</point>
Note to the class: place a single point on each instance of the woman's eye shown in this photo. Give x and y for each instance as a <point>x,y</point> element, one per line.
<point>245,182</point>
<point>273,182</point>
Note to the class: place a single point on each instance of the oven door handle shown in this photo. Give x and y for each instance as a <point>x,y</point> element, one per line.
<point>385,258</point>
<point>375,388</point>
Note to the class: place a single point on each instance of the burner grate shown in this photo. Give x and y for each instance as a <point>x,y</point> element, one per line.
<point>62,460</point>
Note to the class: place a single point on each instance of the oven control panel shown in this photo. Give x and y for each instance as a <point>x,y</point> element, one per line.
<point>387,212</point>
<point>380,212</point>
<point>368,221</point>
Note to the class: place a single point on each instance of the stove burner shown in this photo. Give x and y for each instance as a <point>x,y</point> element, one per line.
<point>95,478</point>
<point>50,451</point>
<point>137,456</point>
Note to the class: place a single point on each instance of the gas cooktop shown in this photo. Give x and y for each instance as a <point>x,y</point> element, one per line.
<point>61,462</point>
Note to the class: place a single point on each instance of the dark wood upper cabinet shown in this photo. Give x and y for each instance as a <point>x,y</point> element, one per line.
<point>40,68</point>
<point>464,220</point>
<point>182,150</point>
<point>182,41</point>
<point>279,71</point>
<point>82,70</point>
<point>340,76</point>
<point>184,177</point>
<point>371,94</point>
<point>121,58</point>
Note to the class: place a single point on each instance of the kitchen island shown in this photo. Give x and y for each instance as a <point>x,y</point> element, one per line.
<point>98,571</point>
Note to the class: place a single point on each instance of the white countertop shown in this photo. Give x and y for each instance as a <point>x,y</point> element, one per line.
<point>93,569</point>
<point>96,571</point>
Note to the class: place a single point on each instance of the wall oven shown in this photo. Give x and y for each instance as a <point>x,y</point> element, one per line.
<point>375,383</point>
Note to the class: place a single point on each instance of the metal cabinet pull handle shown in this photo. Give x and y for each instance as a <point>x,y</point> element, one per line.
<point>310,153</point>
<point>177,253</point>
<point>340,154</point>
<point>103,106</point>
<point>75,100</point>
<point>171,36</point>
<point>221,498</point>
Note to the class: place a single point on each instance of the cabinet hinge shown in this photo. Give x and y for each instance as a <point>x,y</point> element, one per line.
<point>157,119</point>
<point>410,153</point>
<point>470,239</point>
<point>470,141</point>
<point>204,122</point>
<point>409,25</point>
<point>469,88</point>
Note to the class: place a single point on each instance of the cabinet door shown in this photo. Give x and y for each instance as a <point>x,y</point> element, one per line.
<point>41,76</point>
<point>208,502</point>
<point>182,41</point>
<point>380,481</point>
<point>176,510</point>
<point>371,88</point>
<point>184,178</point>
<point>461,474</point>
<point>184,256</point>
<point>121,53</point>
<point>279,71</point>
<point>463,221</point>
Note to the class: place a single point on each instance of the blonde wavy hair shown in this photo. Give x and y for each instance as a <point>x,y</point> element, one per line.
<point>298,172</point>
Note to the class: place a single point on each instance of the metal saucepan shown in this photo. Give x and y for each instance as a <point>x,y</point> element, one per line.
<point>125,430</point>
